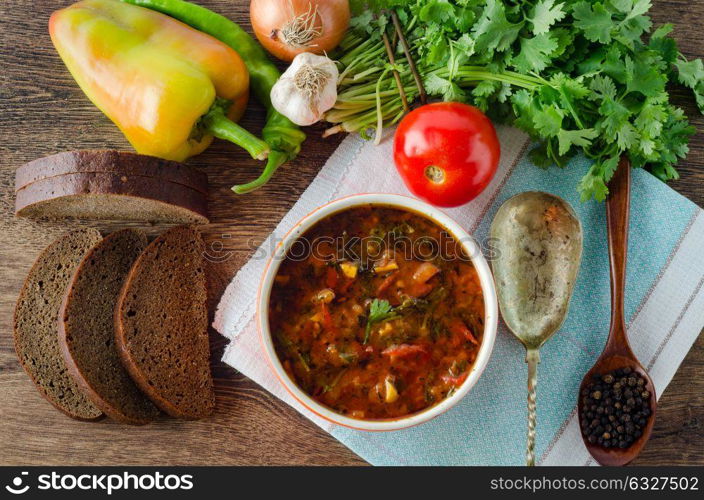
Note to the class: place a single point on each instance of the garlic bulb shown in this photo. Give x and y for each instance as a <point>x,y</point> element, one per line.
<point>307,89</point>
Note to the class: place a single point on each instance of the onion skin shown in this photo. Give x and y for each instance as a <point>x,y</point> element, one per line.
<point>268,17</point>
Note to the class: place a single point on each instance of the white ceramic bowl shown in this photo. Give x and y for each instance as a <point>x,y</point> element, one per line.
<point>401,202</point>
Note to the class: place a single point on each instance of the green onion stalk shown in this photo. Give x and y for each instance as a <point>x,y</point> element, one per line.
<point>369,98</point>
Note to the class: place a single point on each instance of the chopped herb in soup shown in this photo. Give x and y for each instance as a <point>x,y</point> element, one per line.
<point>377,313</point>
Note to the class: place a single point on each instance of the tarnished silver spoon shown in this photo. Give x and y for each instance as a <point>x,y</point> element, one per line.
<point>538,241</point>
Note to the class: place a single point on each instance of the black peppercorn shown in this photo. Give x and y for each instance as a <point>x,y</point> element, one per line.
<point>615,408</point>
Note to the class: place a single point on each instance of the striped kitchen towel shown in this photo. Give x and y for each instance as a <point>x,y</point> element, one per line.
<point>664,307</point>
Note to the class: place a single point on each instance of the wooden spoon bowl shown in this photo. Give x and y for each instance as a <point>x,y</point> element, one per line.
<point>617,353</point>
<point>618,456</point>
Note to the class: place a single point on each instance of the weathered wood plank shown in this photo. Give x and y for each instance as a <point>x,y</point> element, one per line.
<point>44,112</point>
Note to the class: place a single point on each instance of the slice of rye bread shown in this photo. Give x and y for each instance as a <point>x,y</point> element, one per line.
<point>161,323</point>
<point>108,161</point>
<point>35,323</point>
<point>108,196</point>
<point>87,328</point>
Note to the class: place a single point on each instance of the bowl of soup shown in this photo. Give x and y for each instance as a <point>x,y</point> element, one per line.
<point>377,312</point>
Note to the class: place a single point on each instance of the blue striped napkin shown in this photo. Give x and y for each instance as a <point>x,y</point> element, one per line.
<point>664,307</point>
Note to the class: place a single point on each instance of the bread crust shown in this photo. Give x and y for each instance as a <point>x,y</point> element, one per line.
<point>93,394</point>
<point>130,363</point>
<point>191,205</point>
<point>110,161</point>
<point>24,291</point>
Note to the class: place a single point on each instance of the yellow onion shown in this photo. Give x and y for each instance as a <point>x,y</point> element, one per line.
<point>288,27</point>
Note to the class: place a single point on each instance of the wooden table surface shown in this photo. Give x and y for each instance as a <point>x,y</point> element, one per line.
<point>43,112</point>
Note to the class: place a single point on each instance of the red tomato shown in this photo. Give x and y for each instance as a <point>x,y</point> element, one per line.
<point>331,278</point>
<point>327,317</point>
<point>446,152</point>
<point>455,381</point>
<point>459,328</point>
<point>405,350</point>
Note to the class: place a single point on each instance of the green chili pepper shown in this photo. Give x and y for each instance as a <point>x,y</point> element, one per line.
<point>283,136</point>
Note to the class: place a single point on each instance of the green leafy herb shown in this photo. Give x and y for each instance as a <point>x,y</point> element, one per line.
<point>544,14</point>
<point>304,358</point>
<point>329,387</point>
<point>379,311</point>
<point>594,20</point>
<point>578,75</point>
<point>347,357</point>
<point>535,53</point>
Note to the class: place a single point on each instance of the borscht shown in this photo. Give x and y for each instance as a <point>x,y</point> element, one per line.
<point>377,312</point>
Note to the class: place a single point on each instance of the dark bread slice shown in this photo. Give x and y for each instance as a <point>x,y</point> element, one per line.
<point>109,161</point>
<point>87,328</point>
<point>111,196</point>
<point>35,323</point>
<point>161,323</point>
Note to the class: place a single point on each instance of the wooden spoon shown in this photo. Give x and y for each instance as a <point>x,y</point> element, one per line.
<point>618,354</point>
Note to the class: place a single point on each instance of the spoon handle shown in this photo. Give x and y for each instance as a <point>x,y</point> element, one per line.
<point>617,215</point>
<point>532,358</point>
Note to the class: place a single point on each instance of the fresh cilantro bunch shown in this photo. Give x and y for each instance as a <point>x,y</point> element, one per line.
<point>578,76</point>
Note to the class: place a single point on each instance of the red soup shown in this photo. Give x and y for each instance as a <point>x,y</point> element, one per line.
<point>377,313</point>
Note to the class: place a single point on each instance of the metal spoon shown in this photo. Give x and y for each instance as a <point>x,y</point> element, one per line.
<point>538,242</point>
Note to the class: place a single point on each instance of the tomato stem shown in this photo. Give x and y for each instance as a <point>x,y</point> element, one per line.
<point>434,174</point>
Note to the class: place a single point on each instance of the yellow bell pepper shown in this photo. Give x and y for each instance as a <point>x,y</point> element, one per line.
<point>167,86</point>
